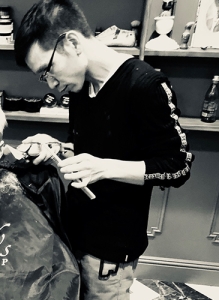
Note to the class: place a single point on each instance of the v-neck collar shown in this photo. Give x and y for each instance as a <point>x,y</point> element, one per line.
<point>91,90</point>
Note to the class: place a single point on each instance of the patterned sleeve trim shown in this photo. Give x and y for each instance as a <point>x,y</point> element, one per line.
<point>183,146</point>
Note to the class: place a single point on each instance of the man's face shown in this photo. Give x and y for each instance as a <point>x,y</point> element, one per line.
<point>68,69</point>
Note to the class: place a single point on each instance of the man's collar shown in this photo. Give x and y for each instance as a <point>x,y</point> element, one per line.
<point>92,92</point>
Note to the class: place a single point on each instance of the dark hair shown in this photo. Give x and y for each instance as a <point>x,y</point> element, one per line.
<point>44,22</point>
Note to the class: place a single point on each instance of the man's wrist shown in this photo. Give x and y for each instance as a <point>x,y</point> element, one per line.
<point>125,171</point>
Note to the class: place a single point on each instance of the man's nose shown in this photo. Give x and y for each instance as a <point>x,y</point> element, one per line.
<point>52,82</point>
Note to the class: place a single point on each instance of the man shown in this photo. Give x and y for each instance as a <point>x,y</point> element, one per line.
<point>123,125</point>
<point>35,263</point>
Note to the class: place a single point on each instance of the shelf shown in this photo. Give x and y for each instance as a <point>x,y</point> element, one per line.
<point>190,52</point>
<point>127,50</point>
<point>7,47</point>
<point>61,116</point>
<point>197,124</point>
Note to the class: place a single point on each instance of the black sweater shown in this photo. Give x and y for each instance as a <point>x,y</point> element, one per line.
<point>133,118</point>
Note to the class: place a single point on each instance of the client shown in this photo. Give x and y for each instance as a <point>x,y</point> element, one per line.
<point>35,261</point>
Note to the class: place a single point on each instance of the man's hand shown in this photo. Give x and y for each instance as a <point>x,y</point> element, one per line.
<point>85,167</point>
<point>36,147</point>
<point>90,169</point>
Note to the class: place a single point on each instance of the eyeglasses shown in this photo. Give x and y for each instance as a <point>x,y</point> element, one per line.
<point>44,76</point>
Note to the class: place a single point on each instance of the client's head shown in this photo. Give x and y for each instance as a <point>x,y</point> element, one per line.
<point>3,123</point>
<point>8,183</point>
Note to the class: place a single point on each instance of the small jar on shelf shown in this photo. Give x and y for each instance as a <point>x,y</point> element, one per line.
<point>6,26</point>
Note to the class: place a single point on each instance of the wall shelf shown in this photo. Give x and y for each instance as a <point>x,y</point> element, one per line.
<point>56,116</point>
<point>191,52</point>
<point>62,117</point>
<point>128,50</point>
<point>7,47</point>
<point>197,124</point>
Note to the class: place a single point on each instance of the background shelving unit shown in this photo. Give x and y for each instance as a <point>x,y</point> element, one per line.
<point>187,123</point>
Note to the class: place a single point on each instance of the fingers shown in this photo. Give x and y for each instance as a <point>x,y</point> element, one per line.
<point>44,156</point>
<point>28,140</point>
<point>33,139</point>
<point>78,169</point>
<point>40,139</point>
<point>81,183</point>
<point>82,175</point>
<point>73,166</point>
<point>36,148</point>
<point>85,181</point>
<point>69,164</point>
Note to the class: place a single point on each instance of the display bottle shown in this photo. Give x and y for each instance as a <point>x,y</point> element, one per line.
<point>210,104</point>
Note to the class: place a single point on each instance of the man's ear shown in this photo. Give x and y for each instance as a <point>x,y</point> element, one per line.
<point>72,39</point>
